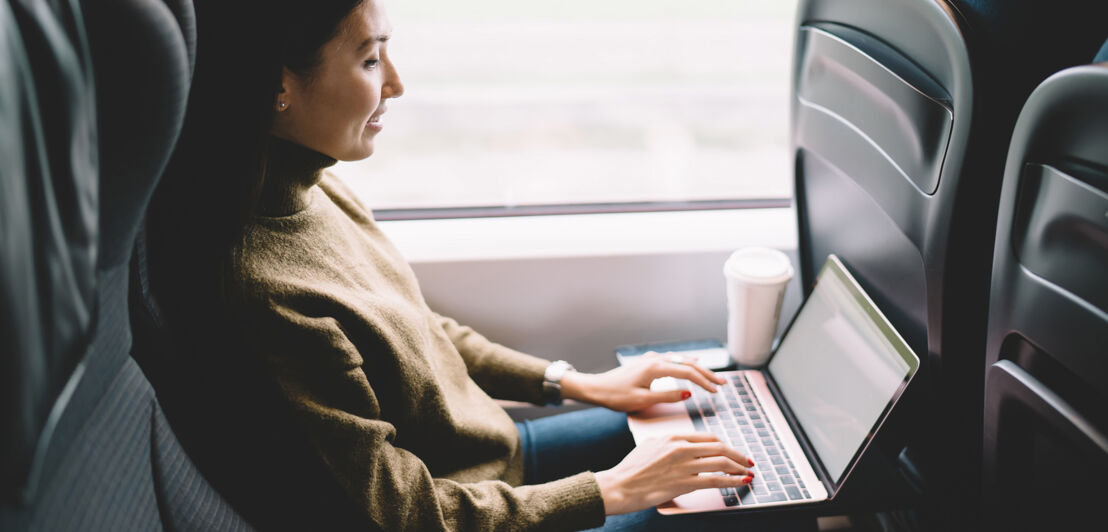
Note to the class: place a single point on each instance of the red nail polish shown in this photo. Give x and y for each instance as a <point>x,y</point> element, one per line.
<point>686,394</point>
<point>749,463</point>
<point>748,479</point>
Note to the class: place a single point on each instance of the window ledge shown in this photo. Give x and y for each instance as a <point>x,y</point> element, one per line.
<point>585,235</point>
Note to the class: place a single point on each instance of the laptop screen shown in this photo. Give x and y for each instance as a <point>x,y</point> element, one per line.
<point>840,365</point>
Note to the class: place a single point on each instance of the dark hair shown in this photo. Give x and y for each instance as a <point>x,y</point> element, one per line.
<point>215,176</point>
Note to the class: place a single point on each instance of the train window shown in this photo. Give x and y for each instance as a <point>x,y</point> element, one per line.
<point>582,106</point>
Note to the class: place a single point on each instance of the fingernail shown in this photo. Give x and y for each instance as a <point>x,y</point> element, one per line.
<point>686,394</point>
<point>749,463</point>
<point>748,479</point>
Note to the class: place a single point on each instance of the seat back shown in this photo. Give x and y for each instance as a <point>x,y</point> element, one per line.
<point>235,424</point>
<point>48,227</point>
<point>883,125</point>
<point>230,417</point>
<point>901,114</point>
<point>116,76</point>
<point>1046,381</point>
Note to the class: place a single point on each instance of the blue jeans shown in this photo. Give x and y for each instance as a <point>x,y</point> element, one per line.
<point>596,439</point>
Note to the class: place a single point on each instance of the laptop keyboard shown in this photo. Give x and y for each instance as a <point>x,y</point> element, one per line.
<point>735,415</point>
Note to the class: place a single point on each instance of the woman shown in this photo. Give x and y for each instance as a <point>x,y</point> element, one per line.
<point>396,400</point>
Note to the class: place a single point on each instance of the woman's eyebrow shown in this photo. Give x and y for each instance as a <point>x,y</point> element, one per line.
<point>373,38</point>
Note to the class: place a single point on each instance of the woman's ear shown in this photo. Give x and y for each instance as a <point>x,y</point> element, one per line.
<point>282,102</point>
<point>286,98</point>
<point>287,91</point>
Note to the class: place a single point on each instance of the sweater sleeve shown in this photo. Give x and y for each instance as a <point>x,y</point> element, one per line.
<point>502,372</point>
<point>323,375</point>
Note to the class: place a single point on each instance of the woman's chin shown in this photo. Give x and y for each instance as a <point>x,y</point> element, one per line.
<point>357,153</point>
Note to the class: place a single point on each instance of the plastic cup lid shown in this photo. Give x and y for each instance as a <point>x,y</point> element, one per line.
<point>758,264</point>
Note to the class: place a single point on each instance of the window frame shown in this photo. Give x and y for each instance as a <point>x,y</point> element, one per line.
<point>502,211</point>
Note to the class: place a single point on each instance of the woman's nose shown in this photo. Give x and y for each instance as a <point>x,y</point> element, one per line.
<point>393,87</point>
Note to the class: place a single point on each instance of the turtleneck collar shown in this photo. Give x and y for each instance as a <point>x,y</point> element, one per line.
<point>290,174</point>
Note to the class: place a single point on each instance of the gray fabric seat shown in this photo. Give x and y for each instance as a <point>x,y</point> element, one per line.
<point>49,217</point>
<point>101,87</point>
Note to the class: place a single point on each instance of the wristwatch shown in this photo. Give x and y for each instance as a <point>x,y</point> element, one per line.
<point>552,381</point>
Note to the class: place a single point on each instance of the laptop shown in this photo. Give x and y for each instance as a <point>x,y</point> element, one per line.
<point>809,414</point>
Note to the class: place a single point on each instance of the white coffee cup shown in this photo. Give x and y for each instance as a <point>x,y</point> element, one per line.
<point>756,281</point>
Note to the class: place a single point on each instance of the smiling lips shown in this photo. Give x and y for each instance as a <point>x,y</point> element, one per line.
<point>375,121</point>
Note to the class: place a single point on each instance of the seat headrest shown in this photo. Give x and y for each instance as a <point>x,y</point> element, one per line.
<point>185,13</point>
<point>141,55</point>
<point>92,98</point>
<point>48,220</point>
<point>1102,55</point>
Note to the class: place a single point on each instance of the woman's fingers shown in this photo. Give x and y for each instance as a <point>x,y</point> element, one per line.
<point>700,482</point>
<point>661,469</point>
<point>707,373</point>
<point>717,448</point>
<point>686,368</point>
<point>695,437</point>
<point>692,362</point>
<point>668,396</point>
<point>704,452</point>
<point>668,368</point>
<point>714,464</point>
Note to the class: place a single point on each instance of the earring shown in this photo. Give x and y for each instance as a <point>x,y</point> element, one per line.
<point>282,105</point>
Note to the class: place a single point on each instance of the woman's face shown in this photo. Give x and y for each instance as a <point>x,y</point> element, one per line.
<point>337,111</point>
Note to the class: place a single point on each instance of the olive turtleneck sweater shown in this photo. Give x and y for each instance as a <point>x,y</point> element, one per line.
<point>395,397</point>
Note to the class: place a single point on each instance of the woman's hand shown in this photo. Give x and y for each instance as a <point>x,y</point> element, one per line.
<point>627,388</point>
<point>662,469</point>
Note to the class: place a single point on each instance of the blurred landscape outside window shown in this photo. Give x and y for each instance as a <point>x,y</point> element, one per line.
<point>510,103</point>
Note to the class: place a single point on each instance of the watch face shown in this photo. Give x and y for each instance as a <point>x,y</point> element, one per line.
<point>557,370</point>
<point>551,384</point>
